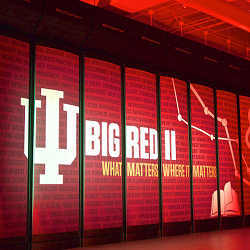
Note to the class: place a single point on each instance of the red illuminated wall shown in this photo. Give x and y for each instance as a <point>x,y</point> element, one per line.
<point>175,168</point>
<point>204,152</point>
<point>55,206</point>
<point>229,170</point>
<point>103,197</point>
<point>142,174</point>
<point>245,139</point>
<point>56,156</point>
<point>14,75</point>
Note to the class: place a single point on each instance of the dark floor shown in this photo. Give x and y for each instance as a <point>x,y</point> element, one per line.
<point>236,239</point>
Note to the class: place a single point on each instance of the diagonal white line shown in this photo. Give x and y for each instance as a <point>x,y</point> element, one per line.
<point>177,104</point>
<point>197,96</point>
<point>230,146</point>
<point>244,159</point>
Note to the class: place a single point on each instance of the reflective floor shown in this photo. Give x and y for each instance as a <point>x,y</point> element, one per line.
<point>236,239</point>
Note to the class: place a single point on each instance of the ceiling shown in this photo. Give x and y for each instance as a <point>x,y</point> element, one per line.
<point>222,24</point>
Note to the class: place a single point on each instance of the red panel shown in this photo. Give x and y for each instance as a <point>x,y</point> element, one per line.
<point>14,75</point>
<point>142,168</point>
<point>245,144</point>
<point>103,191</point>
<point>175,150</point>
<point>56,190</point>
<point>229,170</point>
<point>204,151</point>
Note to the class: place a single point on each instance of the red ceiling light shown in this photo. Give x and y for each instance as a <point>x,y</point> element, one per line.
<point>135,6</point>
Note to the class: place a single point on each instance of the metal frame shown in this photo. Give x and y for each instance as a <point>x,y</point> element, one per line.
<point>124,163</point>
<point>240,158</point>
<point>190,155</point>
<point>217,157</point>
<point>32,76</point>
<point>81,145</point>
<point>158,101</point>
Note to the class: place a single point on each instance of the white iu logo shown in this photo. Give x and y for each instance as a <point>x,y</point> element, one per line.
<point>51,156</point>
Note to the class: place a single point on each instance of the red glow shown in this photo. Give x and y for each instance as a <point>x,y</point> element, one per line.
<point>91,2</point>
<point>216,8</point>
<point>223,11</point>
<point>134,6</point>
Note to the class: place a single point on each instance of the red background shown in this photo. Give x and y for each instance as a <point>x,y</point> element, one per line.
<point>227,109</point>
<point>103,194</point>
<point>204,151</point>
<point>14,78</point>
<point>175,190</point>
<point>56,206</point>
<point>142,192</point>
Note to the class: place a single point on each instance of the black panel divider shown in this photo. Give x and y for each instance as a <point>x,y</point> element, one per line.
<point>240,158</point>
<point>81,146</point>
<point>158,101</point>
<point>123,139</point>
<point>217,158</point>
<point>190,155</point>
<point>31,130</point>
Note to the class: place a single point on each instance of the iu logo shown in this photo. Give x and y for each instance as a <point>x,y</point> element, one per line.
<point>51,156</point>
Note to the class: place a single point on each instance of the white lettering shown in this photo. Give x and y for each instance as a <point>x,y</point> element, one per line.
<point>132,139</point>
<point>143,142</point>
<point>92,142</point>
<point>167,145</point>
<point>114,143</point>
<point>153,142</point>
<point>104,139</point>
